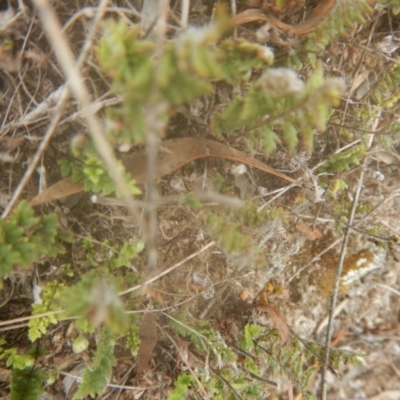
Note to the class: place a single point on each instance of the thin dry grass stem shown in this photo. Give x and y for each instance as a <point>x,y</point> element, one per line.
<point>215,298</point>
<point>338,310</point>
<point>386,224</point>
<point>22,325</point>
<point>206,198</point>
<point>122,385</point>
<point>389,288</point>
<point>39,153</point>
<point>63,97</point>
<point>316,258</point>
<point>222,285</point>
<point>97,105</point>
<point>338,151</point>
<point>234,12</point>
<point>335,290</point>
<point>25,319</point>
<point>46,106</point>
<point>380,204</point>
<point>228,383</point>
<point>63,52</point>
<point>168,270</point>
<point>173,307</point>
<point>185,7</point>
<point>280,192</point>
<point>112,385</point>
<point>34,115</point>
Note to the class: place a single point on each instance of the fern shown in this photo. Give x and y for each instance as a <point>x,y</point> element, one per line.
<point>279,99</point>
<point>27,383</point>
<point>25,237</point>
<point>205,338</point>
<point>180,325</point>
<point>26,380</point>
<point>182,385</point>
<point>98,302</point>
<point>132,337</point>
<point>14,358</point>
<point>276,107</point>
<point>343,161</point>
<point>346,14</point>
<point>261,348</point>
<point>110,256</point>
<point>250,332</point>
<point>226,380</point>
<point>50,296</point>
<point>184,70</point>
<point>394,4</point>
<point>94,173</point>
<point>96,378</point>
<point>250,217</point>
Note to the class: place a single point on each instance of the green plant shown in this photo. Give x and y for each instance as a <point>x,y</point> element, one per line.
<point>27,383</point>
<point>27,380</point>
<point>343,161</point>
<point>98,375</point>
<point>259,349</point>
<point>24,237</point>
<point>275,108</point>
<point>345,15</point>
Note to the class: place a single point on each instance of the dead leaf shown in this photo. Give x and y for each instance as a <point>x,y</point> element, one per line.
<point>172,155</point>
<point>148,340</point>
<point>279,322</point>
<point>273,287</point>
<point>64,188</point>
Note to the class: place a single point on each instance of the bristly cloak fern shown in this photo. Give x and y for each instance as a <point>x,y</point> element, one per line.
<point>96,377</point>
<point>27,383</point>
<point>24,237</point>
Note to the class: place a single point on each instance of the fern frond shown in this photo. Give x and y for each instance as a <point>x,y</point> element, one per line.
<point>345,15</point>
<point>280,100</point>
<point>97,377</point>
<point>97,302</point>
<point>343,161</point>
<point>27,383</point>
<point>50,295</point>
<point>24,237</point>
